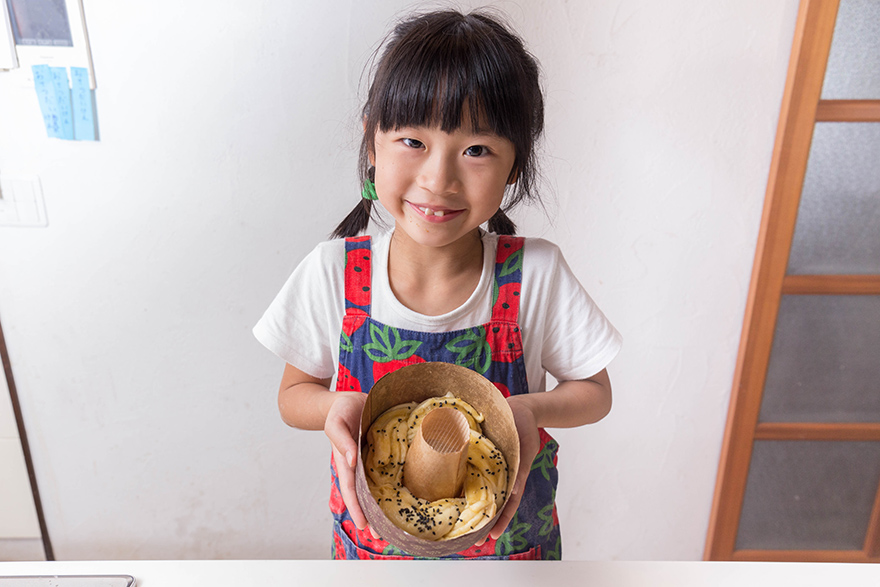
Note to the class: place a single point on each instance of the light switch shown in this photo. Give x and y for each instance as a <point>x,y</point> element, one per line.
<point>21,202</point>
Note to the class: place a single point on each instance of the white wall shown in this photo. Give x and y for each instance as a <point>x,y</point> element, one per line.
<point>228,138</point>
<point>19,525</point>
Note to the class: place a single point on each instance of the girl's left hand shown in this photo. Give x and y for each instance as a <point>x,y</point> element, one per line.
<point>529,445</point>
<point>569,404</point>
<point>341,427</point>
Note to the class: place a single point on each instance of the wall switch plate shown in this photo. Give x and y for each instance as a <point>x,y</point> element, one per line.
<point>21,202</point>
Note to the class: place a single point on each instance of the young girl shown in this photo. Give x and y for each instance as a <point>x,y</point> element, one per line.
<point>450,124</point>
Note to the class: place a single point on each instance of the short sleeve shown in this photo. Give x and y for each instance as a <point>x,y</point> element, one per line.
<point>577,340</point>
<point>303,322</point>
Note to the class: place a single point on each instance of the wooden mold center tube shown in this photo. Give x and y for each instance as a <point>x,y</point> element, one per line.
<point>436,462</point>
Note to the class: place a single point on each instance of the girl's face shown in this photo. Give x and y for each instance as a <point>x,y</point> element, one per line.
<point>439,186</point>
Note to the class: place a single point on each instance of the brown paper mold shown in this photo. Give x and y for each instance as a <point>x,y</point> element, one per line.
<point>416,383</point>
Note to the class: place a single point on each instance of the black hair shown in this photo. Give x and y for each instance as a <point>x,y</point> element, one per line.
<point>431,66</point>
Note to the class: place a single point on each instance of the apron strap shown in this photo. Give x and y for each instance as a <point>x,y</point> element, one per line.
<point>508,279</point>
<point>358,275</point>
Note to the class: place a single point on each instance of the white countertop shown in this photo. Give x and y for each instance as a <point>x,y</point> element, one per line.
<point>448,573</point>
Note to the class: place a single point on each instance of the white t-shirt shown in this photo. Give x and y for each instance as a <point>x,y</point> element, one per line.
<point>564,332</point>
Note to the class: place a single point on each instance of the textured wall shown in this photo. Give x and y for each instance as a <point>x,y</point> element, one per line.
<point>228,138</point>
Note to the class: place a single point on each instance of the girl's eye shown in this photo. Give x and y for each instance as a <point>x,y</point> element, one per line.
<point>476,151</point>
<point>413,143</point>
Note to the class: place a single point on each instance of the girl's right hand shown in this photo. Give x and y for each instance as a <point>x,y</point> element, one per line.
<point>341,427</point>
<point>306,402</point>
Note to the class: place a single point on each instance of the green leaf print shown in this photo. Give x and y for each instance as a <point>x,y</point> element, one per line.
<point>546,514</point>
<point>512,264</point>
<point>388,346</point>
<point>382,334</point>
<point>513,539</point>
<point>544,461</point>
<point>392,550</point>
<point>472,349</point>
<point>346,343</point>
<point>556,553</point>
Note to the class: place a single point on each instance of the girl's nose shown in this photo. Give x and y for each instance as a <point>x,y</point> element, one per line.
<point>438,175</point>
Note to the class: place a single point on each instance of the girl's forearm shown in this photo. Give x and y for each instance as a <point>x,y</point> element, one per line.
<point>303,400</point>
<point>571,403</point>
<point>306,402</point>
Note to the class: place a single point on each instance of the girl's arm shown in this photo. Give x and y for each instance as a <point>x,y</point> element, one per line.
<point>569,404</point>
<point>307,403</point>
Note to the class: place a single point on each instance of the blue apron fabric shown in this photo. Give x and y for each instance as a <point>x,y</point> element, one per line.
<point>369,349</point>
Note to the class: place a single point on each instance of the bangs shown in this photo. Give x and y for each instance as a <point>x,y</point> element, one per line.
<point>437,78</point>
<point>454,71</point>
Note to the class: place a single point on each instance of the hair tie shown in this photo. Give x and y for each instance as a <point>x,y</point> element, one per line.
<point>369,191</point>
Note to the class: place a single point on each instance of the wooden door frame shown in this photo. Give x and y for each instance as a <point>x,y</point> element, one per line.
<point>803,88</point>
<point>802,107</point>
<point>25,447</point>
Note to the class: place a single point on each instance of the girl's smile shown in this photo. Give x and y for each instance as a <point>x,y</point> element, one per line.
<point>440,186</point>
<point>436,214</point>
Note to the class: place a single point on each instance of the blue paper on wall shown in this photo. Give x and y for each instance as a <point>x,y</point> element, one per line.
<point>44,85</point>
<point>83,112</point>
<point>68,113</point>
<point>62,99</point>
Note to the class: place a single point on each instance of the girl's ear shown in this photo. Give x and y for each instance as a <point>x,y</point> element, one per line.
<point>371,148</point>
<point>514,174</point>
<point>371,154</point>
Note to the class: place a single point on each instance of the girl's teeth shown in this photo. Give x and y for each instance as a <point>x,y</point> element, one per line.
<point>438,212</point>
<point>429,212</point>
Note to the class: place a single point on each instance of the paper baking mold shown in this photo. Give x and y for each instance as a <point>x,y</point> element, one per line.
<point>416,383</point>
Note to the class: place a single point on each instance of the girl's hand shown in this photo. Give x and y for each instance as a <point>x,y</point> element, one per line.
<point>570,404</point>
<point>341,427</point>
<point>306,402</point>
<point>529,444</point>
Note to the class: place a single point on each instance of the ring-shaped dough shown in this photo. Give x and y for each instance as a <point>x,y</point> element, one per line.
<point>485,486</point>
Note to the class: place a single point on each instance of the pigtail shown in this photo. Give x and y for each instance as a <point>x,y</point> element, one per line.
<point>500,223</point>
<point>356,221</point>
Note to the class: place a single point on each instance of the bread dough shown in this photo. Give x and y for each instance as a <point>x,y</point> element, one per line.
<point>485,485</point>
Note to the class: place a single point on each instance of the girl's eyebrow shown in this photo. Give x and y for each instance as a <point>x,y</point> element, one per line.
<point>478,135</point>
<point>486,136</point>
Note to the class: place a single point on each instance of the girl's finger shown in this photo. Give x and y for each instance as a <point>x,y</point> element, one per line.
<point>343,443</point>
<point>506,515</point>
<point>348,491</point>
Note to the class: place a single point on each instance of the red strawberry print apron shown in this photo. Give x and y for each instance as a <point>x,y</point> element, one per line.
<point>369,349</point>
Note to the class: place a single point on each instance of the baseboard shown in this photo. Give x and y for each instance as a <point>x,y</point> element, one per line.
<point>21,549</point>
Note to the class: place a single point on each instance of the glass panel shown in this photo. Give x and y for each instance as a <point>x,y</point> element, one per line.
<point>854,61</point>
<point>838,224</point>
<point>825,361</point>
<point>809,495</point>
<point>40,22</point>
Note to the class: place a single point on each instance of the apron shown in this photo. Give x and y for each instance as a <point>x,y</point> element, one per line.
<point>368,350</point>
